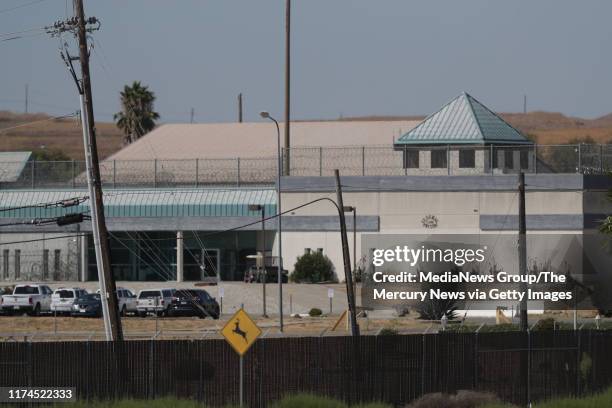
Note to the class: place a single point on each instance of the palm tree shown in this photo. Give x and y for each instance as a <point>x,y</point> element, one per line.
<point>137,116</point>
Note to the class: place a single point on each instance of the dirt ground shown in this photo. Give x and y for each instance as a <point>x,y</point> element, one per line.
<point>50,328</point>
<point>69,328</point>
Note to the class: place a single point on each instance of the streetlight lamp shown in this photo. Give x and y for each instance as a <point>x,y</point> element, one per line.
<point>262,274</point>
<point>279,228</point>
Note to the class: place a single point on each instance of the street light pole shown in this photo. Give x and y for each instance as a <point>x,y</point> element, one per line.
<point>279,228</point>
<point>262,272</point>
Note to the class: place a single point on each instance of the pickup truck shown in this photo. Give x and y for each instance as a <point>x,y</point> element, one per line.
<point>126,301</point>
<point>32,299</point>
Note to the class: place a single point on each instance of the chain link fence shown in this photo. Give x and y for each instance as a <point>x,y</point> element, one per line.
<point>316,162</point>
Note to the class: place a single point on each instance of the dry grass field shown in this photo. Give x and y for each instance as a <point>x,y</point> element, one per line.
<point>79,328</point>
<point>55,135</point>
<point>65,134</point>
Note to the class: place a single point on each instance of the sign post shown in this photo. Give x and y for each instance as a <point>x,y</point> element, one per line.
<point>221,295</point>
<point>240,332</point>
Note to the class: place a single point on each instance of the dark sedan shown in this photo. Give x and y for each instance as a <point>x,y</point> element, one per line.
<point>193,302</point>
<point>88,305</point>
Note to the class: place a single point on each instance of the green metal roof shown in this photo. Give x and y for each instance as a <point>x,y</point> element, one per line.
<point>230,202</point>
<point>13,164</point>
<point>463,120</point>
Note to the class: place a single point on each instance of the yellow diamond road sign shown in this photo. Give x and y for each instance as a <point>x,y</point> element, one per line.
<point>241,331</point>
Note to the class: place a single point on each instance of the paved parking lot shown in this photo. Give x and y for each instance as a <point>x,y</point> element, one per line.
<point>297,298</point>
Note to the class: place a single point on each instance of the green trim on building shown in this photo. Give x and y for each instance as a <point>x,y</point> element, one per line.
<point>205,202</point>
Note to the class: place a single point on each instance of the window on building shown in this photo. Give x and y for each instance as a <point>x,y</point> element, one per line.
<point>17,263</point>
<point>438,159</point>
<point>5,264</point>
<point>524,157</point>
<point>509,159</point>
<point>45,264</point>
<point>320,250</point>
<point>307,251</point>
<point>467,158</point>
<point>411,159</point>
<point>56,264</point>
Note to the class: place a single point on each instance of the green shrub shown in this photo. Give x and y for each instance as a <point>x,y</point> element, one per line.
<point>546,324</point>
<point>316,401</point>
<point>388,331</point>
<point>308,401</point>
<point>315,312</point>
<point>313,267</point>
<point>463,399</point>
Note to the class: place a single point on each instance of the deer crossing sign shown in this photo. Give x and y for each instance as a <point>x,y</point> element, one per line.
<point>241,332</point>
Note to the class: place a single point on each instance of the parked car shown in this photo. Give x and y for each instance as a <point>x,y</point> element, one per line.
<point>194,302</point>
<point>154,301</point>
<point>126,301</point>
<point>88,305</point>
<point>63,299</point>
<point>33,299</point>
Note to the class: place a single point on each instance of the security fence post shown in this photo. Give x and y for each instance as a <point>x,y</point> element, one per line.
<point>151,370</point>
<point>362,162</point>
<point>579,169</point>
<point>73,173</point>
<point>114,173</point>
<point>197,165</point>
<point>320,161</point>
<point>33,172</point>
<point>154,173</point>
<point>238,171</point>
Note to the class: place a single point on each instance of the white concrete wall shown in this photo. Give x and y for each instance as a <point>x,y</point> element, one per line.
<point>32,253</point>
<point>402,213</point>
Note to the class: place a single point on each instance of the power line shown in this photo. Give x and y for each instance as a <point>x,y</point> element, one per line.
<point>61,220</point>
<point>69,202</point>
<point>68,115</point>
<point>42,30</point>
<point>6,10</point>
<point>25,241</point>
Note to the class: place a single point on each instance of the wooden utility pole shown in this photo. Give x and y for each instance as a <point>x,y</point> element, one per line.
<point>522,250</point>
<point>346,256</point>
<point>26,98</point>
<point>97,201</point>
<point>240,107</point>
<point>287,165</point>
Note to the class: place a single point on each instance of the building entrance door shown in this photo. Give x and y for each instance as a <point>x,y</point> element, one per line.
<point>201,264</point>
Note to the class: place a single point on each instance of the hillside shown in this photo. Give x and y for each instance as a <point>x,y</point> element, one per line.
<point>36,132</point>
<point>543,127</point>
<point>53,135</point>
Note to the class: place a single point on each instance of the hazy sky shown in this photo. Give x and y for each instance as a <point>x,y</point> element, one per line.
<point>350,57</point>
